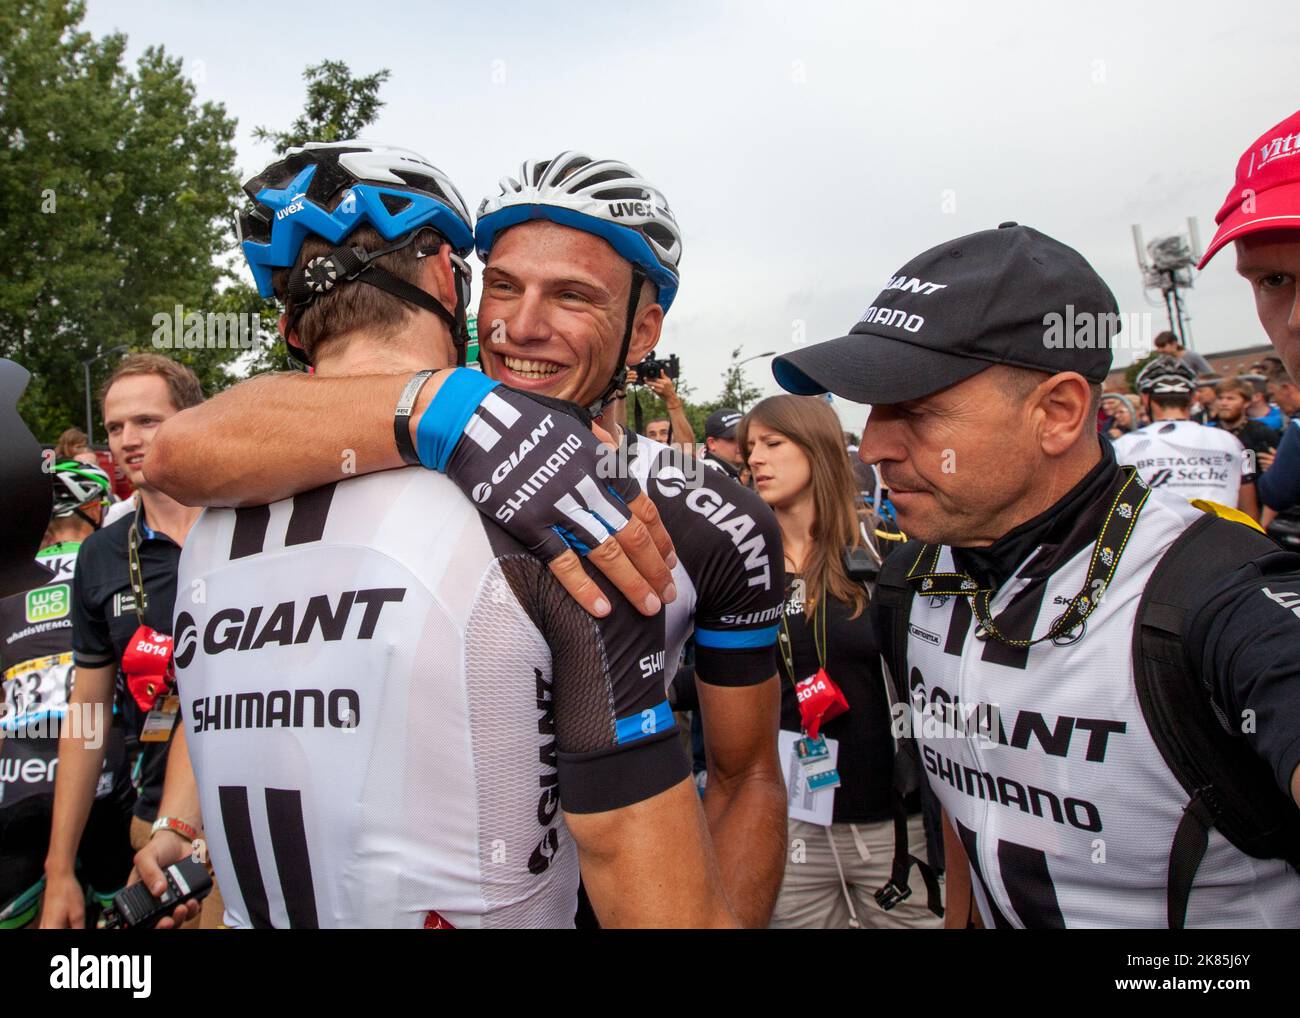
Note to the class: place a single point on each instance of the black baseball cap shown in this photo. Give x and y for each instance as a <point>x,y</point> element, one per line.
<point>722,423</point>
<point>1006,296</point>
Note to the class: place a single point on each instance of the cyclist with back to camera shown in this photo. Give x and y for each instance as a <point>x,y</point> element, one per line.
<point>1180,456</point>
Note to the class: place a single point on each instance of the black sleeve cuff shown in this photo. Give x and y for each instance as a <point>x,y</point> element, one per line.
<point>612,779</point>
<point>87,659</point>
<point>747,666</point>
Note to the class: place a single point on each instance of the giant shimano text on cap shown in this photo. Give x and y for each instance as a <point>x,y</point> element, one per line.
<point>1007,296</point>
<point>722,423</point>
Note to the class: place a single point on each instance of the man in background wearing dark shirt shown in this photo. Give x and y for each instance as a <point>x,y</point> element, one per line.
<point>123,596</point>
<point>1233,396</point>
<point>1167,343</point>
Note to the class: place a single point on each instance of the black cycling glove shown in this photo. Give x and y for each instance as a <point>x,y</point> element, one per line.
<point>530,466</point>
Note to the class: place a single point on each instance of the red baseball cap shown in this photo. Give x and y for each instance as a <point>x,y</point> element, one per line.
<point>1266,194</point>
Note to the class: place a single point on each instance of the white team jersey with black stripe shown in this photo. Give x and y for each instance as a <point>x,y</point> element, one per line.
<point>1044,763</point>
<point>386,702</point>
<point>1186,459</point>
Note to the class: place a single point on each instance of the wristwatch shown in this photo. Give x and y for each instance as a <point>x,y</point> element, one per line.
<point>402,418</point>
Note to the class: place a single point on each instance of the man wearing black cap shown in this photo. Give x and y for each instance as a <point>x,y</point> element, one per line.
<point>1053,738</point>
<point>721,451</point>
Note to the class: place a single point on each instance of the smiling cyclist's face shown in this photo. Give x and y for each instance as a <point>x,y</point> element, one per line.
<point>553,311</point>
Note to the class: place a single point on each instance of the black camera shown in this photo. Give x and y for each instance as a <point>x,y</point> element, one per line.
<point>652,368</point>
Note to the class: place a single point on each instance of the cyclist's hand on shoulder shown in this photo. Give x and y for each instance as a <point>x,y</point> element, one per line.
<point>63,905</point>
<point>532,465</point>
<point>161,851</point>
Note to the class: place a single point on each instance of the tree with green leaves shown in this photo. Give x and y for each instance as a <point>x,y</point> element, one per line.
<point>736,391</point>
<point>338,106</point>
<point>116,191</point>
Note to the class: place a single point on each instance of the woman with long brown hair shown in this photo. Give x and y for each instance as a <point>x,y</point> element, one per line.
<point>794,447</point>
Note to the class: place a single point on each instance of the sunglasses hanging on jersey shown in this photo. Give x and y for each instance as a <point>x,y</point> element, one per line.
<point>1121,517</point>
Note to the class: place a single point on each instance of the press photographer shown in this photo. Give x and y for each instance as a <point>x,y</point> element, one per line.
<point>659,377</point>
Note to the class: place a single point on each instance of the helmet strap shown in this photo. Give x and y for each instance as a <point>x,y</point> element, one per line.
<point>347,264</point>
<point>617,383</point>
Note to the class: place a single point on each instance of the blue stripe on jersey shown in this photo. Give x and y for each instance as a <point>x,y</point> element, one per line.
<point>728,639</point>
<point>442,425</point>
<point>650,721</point>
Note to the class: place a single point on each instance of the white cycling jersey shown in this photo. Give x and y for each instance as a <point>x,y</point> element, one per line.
<point>387,701</point>
<point>1186,459</point>
<point>1043,761</point>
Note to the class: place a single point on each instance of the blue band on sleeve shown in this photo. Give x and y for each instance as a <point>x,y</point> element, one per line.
<point>444,422</point>
<point>644,723</point>
<point>728,639</point>
<point>572,539</point>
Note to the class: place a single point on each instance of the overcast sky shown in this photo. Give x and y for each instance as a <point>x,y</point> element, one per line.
<point>808,149</point>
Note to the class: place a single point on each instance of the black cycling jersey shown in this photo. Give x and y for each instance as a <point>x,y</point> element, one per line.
<point>36,675</point>
<point>729,565</point>
<point>104,620</point>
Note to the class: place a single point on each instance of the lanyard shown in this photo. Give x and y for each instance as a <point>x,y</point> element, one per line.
<point>1121,517</point>
<point>133,564</point>
<point>787,650</point>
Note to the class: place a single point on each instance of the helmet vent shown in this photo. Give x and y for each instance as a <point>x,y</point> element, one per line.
<point>659,234</point>
<point>395,203</point>
<point>621,193</point>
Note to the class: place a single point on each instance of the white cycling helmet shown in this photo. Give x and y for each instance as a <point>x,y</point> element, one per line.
<point>602,197</point>
<point>1166,376</point>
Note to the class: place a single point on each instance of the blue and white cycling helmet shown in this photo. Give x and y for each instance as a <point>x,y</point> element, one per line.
<point>599,196</point>
<point>1166,376</point>
<point>328,190</point>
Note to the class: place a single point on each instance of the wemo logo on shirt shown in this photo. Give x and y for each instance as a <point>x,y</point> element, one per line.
<point>44,604</point>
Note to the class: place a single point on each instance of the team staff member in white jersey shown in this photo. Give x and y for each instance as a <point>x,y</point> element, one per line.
<point>579,274</point>
<point>1177,455</point>
<point>1011,617</point>
<point>388,702</point>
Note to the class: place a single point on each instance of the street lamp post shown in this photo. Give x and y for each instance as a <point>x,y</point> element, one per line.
<point>741,364</point>
<point>90,425</point>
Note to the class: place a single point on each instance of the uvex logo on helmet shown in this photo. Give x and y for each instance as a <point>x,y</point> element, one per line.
<point>643,209</point>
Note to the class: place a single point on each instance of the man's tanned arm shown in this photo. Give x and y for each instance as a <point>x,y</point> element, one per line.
<point>745,799</point>
<point>276,435</point>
